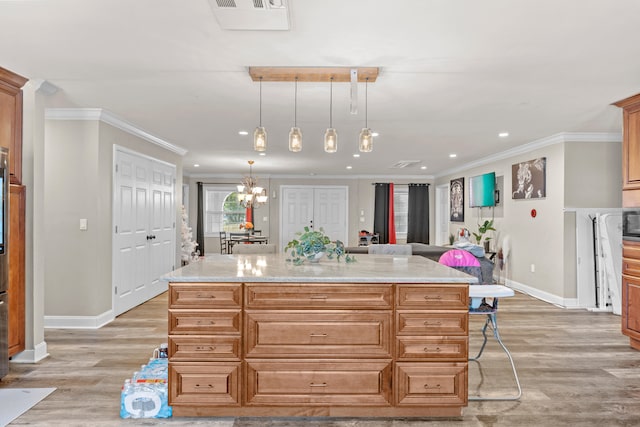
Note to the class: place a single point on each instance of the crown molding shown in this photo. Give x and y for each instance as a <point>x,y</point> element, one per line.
<point>316,177</point>
<point>113,120</point>
<point>558,138</point>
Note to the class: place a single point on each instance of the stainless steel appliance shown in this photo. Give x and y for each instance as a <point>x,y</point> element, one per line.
<point>631,224</point>
<point>4,264</point>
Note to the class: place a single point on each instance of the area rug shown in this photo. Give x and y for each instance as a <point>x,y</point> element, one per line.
<point>16,401</point>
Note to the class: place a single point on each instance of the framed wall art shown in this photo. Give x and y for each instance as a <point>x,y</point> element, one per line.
<point>529,179</point>
<point>456,200</point>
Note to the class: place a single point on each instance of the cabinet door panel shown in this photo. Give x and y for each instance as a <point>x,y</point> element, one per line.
<point>204,322</point>
<point>433,297</point>
<point>432,323</point>
<point>193,384</point>
<point>204,295</point>
<point>16,243</point>
<point>433,384</point>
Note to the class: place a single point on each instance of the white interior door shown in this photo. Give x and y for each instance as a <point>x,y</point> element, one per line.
<point>130,244</point>
<point>144,228</point>
<point>313,207</point>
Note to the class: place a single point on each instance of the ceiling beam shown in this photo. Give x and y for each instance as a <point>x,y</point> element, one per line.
<point>312,74</point>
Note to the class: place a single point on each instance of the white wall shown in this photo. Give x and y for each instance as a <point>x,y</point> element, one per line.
<point>78,184</point>
<point>584,173</point>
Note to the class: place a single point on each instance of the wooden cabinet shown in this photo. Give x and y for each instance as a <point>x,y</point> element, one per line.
<point>317,349</point>
<point>11,138</point>
<point>11,121</point>
<point>630,151</point>
<point>631,292</point>
<point>17,199</point>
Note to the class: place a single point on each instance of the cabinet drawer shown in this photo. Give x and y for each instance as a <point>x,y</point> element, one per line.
<point>205,295</point>
<point>435,384</point>
<point>318,333</point>
<point>196,348</point>
<point>212,383</point>
<point>432,323</point>
<point>433,297</point>
<point>354,382</point>
<point>631,266</point>
<point>204,322</point>
<point>318,296</point>
<point>449,348</point>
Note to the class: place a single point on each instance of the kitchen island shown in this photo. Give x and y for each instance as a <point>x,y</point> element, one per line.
<point>255,335</point>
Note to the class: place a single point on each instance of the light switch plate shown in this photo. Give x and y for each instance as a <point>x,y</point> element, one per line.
<point>83,224</point>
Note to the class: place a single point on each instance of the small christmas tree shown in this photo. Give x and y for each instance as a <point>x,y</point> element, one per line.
<point>189,252</point>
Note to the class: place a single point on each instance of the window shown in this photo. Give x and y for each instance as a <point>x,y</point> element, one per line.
<point>222,210</point>
<point>401,210</point>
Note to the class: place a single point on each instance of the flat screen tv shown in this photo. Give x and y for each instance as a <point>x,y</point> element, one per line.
<point>482,189</point>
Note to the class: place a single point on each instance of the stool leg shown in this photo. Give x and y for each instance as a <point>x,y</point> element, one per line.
<point>494,324</point>
<point>484,334</point>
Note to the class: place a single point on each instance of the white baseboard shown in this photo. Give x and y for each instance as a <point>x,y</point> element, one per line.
<point>31,356</point>
<point>544,296</point>
<point>78,322</point>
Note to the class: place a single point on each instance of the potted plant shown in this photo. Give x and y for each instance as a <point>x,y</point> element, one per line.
<point>482,229</point>
<point>311,245</point>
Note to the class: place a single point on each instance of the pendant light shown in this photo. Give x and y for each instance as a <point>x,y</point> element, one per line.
<point>366,137</point>
<point>295,134</point>
<point>260,134</point>
<point>331,136</point>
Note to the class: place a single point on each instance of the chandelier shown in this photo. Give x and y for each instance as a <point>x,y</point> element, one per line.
<point>250,195</point>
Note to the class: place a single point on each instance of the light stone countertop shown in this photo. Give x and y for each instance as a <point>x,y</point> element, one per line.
<point>275,268</point>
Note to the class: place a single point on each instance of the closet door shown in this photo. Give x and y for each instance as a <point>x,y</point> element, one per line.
<point>315,207</point>
<point>144,224</point>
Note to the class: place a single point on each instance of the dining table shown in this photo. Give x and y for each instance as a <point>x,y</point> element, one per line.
<point>250,239</point>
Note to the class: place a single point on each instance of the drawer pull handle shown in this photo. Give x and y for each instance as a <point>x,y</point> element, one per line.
<point>429,297</point>
<point>319,297</point>
<point>428,387</point>
<point>318,335</point>
<point>437,350</point>
<point>209,386</point>
<point>206,322</point>
<point>427,323</point>
<point>205,296</point>
<point>203,348</point>
<point>318,385</point>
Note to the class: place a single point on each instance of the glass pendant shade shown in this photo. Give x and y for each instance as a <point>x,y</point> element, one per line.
<point>331,140</point>
<point>260,139</point>
<point>295,139</point>
<point>366,140</point>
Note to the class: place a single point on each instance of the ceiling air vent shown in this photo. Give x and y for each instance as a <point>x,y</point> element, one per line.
<point>404,163</point>
<point>256,15</point>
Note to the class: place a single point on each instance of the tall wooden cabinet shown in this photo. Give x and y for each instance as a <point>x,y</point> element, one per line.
<point>11,138</point>
<point>631,199</point>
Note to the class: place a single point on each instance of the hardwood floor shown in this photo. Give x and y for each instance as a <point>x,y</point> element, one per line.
<point>575,366</point>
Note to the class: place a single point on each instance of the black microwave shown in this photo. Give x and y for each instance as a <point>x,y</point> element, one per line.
<point>631,224</point>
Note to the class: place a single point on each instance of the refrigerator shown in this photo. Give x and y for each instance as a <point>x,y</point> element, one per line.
<point>4,264</point>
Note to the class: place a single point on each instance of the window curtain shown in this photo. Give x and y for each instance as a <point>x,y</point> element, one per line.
<point>418,215</point>
<point>383,218</point>
<point>200,219</point>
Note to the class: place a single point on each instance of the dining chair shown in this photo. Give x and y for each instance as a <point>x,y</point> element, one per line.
<point>224,248</point>
<point>255,249</point>
<point>235,237</point>
<point>466,262</point>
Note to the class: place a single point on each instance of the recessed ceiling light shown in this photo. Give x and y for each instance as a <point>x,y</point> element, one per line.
<point>423,167</point>
<point>243,133</point>
<point>262,154</point>
<point>356,155</point>
<point>452,155</point>
<point>375,134</point>
<point>503,134</point>
<point>349,167</point>
<point>196,165</point>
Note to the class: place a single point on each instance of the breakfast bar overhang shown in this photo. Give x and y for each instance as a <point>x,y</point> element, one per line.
<point>255,335</point>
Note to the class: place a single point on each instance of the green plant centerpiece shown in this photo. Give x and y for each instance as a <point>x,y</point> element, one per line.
<point>482,229</point>
<point>311,245</point>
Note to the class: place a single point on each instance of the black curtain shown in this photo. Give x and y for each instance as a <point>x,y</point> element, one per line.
<point>418,218</point>
<point>200,221</point>
<point>381,212</point>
